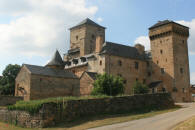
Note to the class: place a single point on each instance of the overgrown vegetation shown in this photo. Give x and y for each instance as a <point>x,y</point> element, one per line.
<point>7,83</point>
<point>139,88</point>
<point>34,106</point>
<point>108,85</point>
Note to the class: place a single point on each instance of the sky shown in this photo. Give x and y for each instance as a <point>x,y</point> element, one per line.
<point>31,30</point>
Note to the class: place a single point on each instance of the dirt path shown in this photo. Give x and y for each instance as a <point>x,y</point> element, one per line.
<point>160,122</point>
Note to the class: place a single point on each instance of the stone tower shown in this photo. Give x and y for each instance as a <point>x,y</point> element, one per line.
<point>83,37</point>
<point>169,50</point>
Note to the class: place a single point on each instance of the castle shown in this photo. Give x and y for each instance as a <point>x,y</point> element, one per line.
<point>164,69</point>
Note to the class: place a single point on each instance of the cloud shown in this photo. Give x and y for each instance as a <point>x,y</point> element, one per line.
<point>191,41</point>
<point>143,40</point>
<point>40,26</point>
<point>192,76</point>
<point>99,20</point>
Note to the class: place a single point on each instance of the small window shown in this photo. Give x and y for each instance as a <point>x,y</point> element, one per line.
<point>162,70</point>
<point>166,60</point>
<point>144,81</point>
<point>161,51</point>
<point>119,62</point>
<point>148,64</point>
<point>77,37</point>
<point>183,41</point>
<point>119,75</point>
<point>93,36</point>
<point>100,62</point>
<point>125,81</point>
<point>181,70</point>
<point>160,41</point>
<point>149,74</point>
<point>183,90</point>
<point>136,79</point>
<point>157,62</point>
<point>136,65</point>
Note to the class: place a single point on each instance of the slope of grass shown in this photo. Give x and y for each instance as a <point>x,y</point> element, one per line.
<point>186,125</point>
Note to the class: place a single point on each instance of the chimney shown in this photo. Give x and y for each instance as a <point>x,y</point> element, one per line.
<point>99,43</point>
<point>140,48</point>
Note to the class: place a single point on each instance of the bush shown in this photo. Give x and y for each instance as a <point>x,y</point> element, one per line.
<point>108,85</point>
<point>7,82</point>
<point>139,88</point>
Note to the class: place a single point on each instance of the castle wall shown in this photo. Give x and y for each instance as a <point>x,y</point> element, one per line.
<point>22,84</point>
<point>127,70</point>
<point>46,87</point>
<point>86,84</point>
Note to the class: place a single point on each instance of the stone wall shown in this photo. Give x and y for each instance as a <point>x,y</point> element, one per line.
<point>9,100</point>
<point>52,113</point>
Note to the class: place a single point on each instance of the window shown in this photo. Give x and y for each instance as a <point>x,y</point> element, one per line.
<point>124,81</point>
<point>93,36</point>
<point>148,64</point>
<point>40,79</point>
<point>119,75</point>
<point>183,41</point>
<point>136,65</point>
<point>162,70</point>
<point>183,90</point>
<point>144,81</point>
<point>166,59</point>
<point>181,70</point>
<point>77,37</point>
<point>136,79</point>
<point>149,74</point>
<point>157,61</point>
<point>119,63</point>
<point>100,62</point>
<point>161,51</point>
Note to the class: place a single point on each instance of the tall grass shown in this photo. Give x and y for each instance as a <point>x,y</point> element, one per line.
<point>34,106</point>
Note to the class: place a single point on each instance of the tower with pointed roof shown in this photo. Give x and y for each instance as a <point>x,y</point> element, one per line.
<point>56,61</point>
<point>83,38</point>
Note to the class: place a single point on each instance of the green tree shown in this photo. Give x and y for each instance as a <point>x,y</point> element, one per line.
<point>139,88</point>
<point>7,83</point>
<point>108,85</point>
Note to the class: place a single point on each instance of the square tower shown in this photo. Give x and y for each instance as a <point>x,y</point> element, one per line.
<point>83,37</point>
<point>169,50</point>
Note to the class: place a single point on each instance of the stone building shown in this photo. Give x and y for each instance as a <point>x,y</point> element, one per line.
<point>164,68</point>
<point>38,82</point>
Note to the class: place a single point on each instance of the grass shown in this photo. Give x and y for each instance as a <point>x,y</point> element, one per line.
<point>186,125</point>
<point>91,122</point>
<point>34,106</point>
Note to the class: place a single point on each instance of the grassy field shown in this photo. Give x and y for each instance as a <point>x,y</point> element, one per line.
<point>186,125</point>
<point>91,122</point>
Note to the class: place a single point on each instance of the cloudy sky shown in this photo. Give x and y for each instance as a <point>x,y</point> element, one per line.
<point>31,30</point>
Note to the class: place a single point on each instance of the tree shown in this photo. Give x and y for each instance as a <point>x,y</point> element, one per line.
<point>139,88</point>
<point>7,82</point>
<point>108,85</point>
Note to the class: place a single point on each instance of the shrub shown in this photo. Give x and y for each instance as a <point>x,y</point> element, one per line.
<point>7,83</point>
<point>108,85</point>
<point>139,88</point>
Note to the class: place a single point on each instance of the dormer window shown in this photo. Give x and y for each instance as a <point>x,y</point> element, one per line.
<point>75,61</point>
<point>83,59</point>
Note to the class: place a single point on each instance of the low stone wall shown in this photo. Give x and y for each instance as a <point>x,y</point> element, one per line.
<point>53,113</point>
<point>9,100</point>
